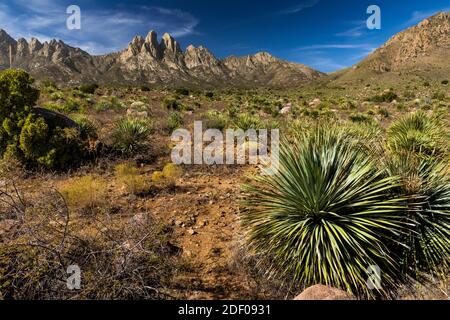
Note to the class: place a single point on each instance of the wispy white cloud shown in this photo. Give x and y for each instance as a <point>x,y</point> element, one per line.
<point>299,7</point>
<point>334,46</point>
<point>318,60</point>
<point>102,31</point>
<point>326,64</point>
<point>332,57</point>
<point>357,30</point>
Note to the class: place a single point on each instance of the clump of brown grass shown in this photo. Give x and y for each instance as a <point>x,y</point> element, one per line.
<point>168,176</point>
<point>128,175</point>
<point>85,193</point>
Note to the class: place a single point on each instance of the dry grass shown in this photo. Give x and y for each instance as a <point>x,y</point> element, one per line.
<point>85,193</point>
<point>168,176</point>
<point>129,177</point>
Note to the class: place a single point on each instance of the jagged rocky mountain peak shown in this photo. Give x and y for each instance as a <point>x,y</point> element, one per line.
<point>149,61</point>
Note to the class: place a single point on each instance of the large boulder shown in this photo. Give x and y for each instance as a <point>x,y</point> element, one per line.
<point>55,119</point>
<point>321,292</point>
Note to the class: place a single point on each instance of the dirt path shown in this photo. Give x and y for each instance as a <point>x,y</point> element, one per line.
<point>204,214</point>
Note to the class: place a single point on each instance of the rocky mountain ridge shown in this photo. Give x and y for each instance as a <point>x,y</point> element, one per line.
<point>421,51</point>
<point>148,61</point>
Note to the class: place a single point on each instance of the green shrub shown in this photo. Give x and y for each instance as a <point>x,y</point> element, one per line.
<point>48,85</point>
<point>89,88</point>
<point>50,148</point>
<point>80,95</point>
<point>358,118</point>
<point>409,95</point>
<point>345,104</point>
<point>246,121</point>
<point>102,105</point>
<point>53,106</point>
<point>69,106</point>
<point>383,112</point>
<point>17,96</point>
<point>215,120</point>
<point>209,94</point>
<point>37,142</point>
<point>400,107</point>
<point>86,128</point>
<point>272,110</point>
<point>172,104</point>
<point>35,131</point>
<point>174,121</point>
<point>109,103</point>
<point>139,106</point>
<point>232,111</point>
<point>385,97</point>
<point>314,114</point>
<point>72,105</point>
<point>182,91</point>
<point>438,96</point>
<point>58,95</point>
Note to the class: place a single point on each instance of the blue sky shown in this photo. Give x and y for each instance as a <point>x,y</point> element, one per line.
<point>324,34</point>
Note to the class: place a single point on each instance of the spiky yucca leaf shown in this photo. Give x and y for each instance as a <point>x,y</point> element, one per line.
<point>130,135</point>
<point>426,183</point>
<point>326,215</point>
<point>418,133</point>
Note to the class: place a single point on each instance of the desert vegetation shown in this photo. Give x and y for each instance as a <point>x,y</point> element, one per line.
<point>87,179</point>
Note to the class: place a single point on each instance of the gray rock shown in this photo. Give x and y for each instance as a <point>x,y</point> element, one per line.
<point>321,292</point>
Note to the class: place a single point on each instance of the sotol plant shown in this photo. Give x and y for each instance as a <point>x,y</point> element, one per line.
<point>418,133</point>
<point>326,216</point>
<point>425,182</point>
<point>130,135</point>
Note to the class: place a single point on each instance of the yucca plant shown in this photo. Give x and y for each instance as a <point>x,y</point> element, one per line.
<point>86,127</point>
<point>418,133</point>
<point>247,121</point>
<point>130,135</point>
<point>326,216</point>
<point>426,183</point>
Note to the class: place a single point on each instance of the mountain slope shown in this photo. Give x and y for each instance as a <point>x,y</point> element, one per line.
<point>147,61</point>
<point>421,51</point>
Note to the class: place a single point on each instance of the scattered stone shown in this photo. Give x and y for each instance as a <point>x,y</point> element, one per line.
<point>138,105</point>
<point>286,110</point>
<point>315,102</point>
<point>321,292</point>
<point>178,223</point>
<point>187,253</point>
